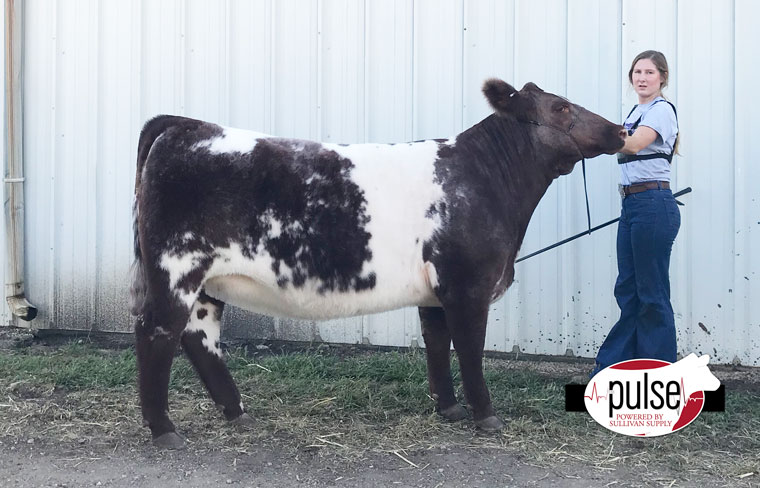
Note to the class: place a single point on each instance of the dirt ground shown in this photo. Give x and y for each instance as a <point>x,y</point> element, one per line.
<point>39,464</point>
<point>34,459</point>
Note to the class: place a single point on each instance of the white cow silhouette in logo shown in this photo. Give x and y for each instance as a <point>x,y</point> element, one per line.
<point>695,373</point>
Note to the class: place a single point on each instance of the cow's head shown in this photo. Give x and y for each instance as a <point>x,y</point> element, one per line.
<point>567,132</point>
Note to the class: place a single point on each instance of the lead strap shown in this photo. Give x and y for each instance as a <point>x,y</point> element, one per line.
<point>585,192</point>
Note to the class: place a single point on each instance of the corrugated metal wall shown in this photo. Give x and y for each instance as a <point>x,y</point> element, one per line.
<point>396,70</point>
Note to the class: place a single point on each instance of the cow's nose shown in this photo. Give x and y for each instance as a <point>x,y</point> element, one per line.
<point>623,133</point>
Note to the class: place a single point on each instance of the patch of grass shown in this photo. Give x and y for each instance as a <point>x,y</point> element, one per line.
<point>374,385</point>
<point>346,405</point>
<point>72,367</point>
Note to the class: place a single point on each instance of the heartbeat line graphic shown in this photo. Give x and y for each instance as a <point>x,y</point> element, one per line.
<point>594,394</point>
<point>698,397</point>
<point>687,400</point>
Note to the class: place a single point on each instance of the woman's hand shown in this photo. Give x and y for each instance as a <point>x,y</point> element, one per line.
<point>640,139</point>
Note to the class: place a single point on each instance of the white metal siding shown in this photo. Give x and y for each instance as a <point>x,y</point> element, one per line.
<point>397,70</point>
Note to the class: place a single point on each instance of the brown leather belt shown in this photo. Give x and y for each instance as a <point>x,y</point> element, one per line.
<point>647,185</point>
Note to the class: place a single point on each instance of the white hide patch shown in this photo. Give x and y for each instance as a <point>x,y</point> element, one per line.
<point>275,226</point>
<point>178,266</point>
<point>400,187</point>
<point>276,230</point>
<point>231,141</point>
<point>209,325</point>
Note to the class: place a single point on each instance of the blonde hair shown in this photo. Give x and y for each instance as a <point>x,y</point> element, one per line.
<point>659,61</point>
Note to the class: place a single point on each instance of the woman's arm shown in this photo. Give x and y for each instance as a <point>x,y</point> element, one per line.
<point>640,139</point>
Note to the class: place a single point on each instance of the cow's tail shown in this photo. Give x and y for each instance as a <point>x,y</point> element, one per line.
<point>150,132</point>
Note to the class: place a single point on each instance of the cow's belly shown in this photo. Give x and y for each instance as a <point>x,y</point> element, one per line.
<point>307,302</point>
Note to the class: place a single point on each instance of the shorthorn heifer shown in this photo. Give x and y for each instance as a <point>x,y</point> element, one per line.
<point>310,230</point>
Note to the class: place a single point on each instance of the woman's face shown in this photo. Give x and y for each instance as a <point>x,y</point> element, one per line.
<point>646,79</point>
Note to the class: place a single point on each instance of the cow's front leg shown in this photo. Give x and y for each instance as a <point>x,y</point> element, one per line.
<point>156,345</point>
<point>200,340</point>
<point>467,322</point>
<point>438,350</point>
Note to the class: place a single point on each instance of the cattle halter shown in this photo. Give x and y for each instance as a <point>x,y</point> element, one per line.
<point>580,151</point>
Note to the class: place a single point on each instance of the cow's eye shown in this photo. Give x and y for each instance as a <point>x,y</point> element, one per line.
<point>563,108</point>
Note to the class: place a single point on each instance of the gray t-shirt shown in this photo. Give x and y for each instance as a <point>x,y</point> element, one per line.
<point>659,116</point>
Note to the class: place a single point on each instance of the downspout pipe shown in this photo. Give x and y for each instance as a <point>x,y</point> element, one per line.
<point>18,305</point>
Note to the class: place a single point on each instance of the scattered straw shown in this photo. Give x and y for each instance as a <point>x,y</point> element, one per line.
<point>404,459</point>
<point>260,367</point>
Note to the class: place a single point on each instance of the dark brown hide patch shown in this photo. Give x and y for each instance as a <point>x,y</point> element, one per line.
<point>197,201</point>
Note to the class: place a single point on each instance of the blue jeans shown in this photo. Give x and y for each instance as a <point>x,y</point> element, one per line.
<point>649,223</point>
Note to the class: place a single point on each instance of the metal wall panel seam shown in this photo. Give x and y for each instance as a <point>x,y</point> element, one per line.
<point>565,281</point>
<point>137,73</point>
<point>740,261</point>
<point>742,30</point>
<point>272,65</point>
<point>620,62</point>
<point>365,116</point>
<point>415,70</point>
<point>93,244</point>
<point>459,115</point>
<point>320,61</point>
<point>182,19</point>
<point>227,77</point>
<point>462,28</point>
<point>511,320</point>
<point>365,102</point>
<point>52,276</point>
<point>566,39</point>
<point>683,268</point>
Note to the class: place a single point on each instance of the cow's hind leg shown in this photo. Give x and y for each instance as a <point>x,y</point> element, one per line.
<point>200,340</point>
<point>438,350</point>
<point>467,322</point>
<point>157,334</point>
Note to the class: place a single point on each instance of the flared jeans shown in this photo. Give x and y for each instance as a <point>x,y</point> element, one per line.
<point>649,223</point>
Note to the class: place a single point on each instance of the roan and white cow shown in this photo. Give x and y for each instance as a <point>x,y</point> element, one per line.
<point>312,230</point>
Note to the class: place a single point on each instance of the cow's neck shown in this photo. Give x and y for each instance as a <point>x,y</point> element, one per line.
<point>504,152</point>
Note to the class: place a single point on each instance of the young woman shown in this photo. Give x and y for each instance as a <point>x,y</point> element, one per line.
<point>649,222</point>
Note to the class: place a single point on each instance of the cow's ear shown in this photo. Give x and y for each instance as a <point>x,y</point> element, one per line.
<point>501,95</point>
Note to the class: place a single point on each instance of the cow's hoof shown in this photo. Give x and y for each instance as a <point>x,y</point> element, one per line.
<point>490,424</point>
<point>244,421</point>
<point>454,413</point>
<point>170,440</point>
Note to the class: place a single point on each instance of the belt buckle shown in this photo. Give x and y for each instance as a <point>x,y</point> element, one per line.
<point>621,190</point>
